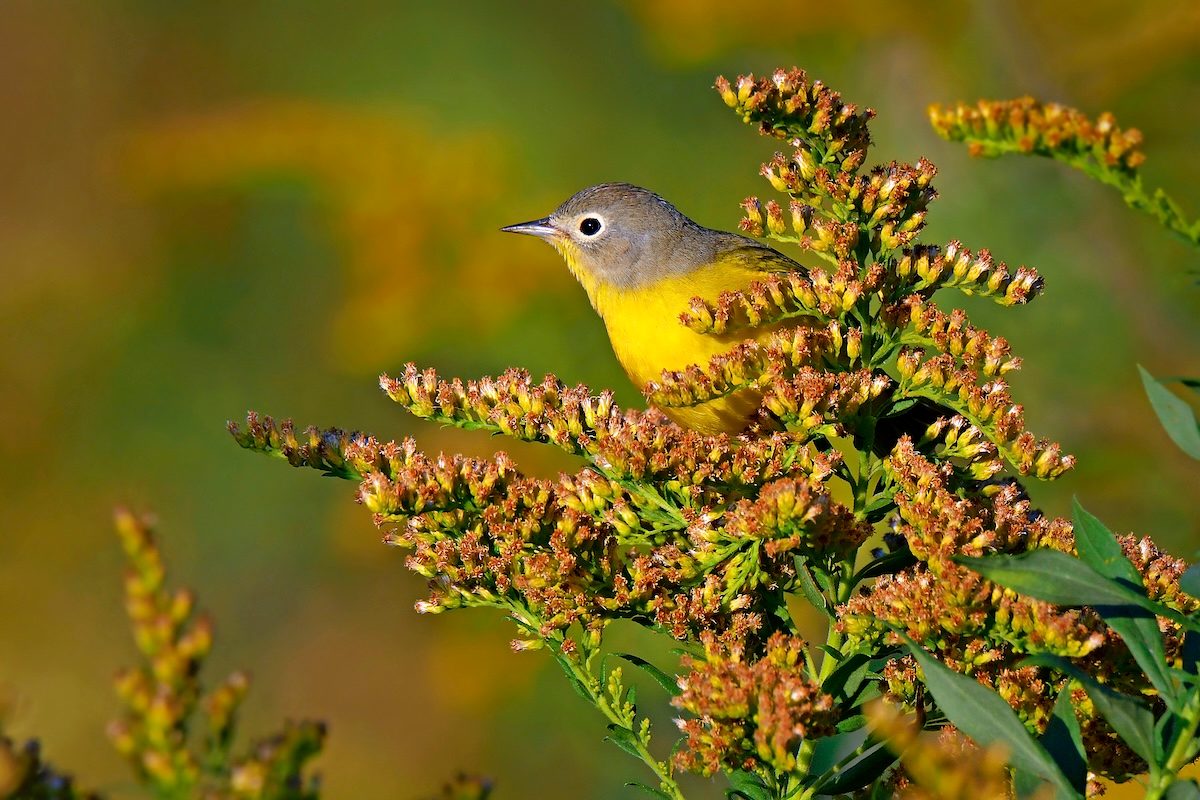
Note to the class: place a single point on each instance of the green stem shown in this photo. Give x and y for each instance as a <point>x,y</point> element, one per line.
<point>834,638</point>
<point>1162,777</point>
<point>804,756</point>
<point>1157,204</point>
<point>595,693</point>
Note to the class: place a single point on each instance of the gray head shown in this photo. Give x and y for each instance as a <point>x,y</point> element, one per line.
<point>623,236</point>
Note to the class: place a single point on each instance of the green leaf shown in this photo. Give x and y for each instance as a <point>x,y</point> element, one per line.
<point>1129,716</point>
<point>880,505</point>
<point>661,678</point>
<point>869,692</point>
<point>1026,784</point>
<point>1064,742</point>
<point>831,652</point>
<point>984,716</point>
<point>1136,626</point>
<point>829,751</point>
<point>854,723</point>
<point>747,785</point>
<point>1100,550</point>
<point>892,562</point>
<point>623,738</point>
<point>857,771</point>
<point>1051,576</point>
<point>1189,581</point>
<point>1176,416</point>
<point>810,590</point>
<point>650,790</point>
<point>1064,580</point>
<point>579,688</point>
<point>844,681</point>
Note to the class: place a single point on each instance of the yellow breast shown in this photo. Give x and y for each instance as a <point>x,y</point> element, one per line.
<point>647,337</point>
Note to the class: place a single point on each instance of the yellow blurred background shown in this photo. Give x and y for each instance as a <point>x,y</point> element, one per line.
<point>213,206</point>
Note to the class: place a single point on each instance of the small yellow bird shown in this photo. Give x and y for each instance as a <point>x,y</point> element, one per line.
<point>641,261</point>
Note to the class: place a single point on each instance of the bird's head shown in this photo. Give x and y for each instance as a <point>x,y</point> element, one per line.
<point>616,235</point>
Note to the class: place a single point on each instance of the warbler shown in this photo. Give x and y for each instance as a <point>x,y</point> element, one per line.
<point>641,261</point>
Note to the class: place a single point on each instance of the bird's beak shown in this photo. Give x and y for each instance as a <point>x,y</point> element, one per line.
<point>540,228</point>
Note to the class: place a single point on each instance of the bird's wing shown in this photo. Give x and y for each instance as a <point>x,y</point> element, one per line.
<point>756,256</point>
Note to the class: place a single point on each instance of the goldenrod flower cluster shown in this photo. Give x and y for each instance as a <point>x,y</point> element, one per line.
<point>940,766</point>
<point>991,126</point>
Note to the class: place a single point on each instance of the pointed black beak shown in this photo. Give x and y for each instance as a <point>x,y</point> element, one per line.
<point>540,228</point>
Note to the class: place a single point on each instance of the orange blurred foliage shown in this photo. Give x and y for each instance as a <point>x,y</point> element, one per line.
<point>693,30</point>
<point>405,203</point>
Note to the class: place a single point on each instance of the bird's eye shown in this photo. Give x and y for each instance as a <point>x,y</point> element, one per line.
<point>590,226</point>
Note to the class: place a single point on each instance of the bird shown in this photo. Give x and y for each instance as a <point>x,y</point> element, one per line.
<point>641,261</point>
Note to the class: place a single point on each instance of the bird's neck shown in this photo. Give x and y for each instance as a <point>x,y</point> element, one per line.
<point>598,291</point>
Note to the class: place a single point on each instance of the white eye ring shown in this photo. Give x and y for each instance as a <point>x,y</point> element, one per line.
<point>591,225</point>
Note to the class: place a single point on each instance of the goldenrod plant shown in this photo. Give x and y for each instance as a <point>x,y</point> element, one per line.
<point>1067,654</point>
<point>942,764</point>
<point>1103,151</point>
<point>1099,148</point>
<point>178,738</point>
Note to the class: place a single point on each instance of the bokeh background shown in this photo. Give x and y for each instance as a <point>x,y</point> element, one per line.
<point>213,206</point>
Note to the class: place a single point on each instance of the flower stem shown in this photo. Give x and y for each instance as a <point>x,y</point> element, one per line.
<point>1162,777</point>
<point>1157,203</point>
<point>576,669</point>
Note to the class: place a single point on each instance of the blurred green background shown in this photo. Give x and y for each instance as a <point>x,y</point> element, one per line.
<point>214,206</point>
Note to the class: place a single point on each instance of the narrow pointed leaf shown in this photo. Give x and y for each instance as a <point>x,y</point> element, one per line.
<point>1064,580</point>
<point>1051,576</point>
<point>831,652</point>
<point>1064,742</point>
<point>810,590</point>
<point>892,562</point>
<point>624,739</point>
<point>1027,784</point>
<point>579,688</point>
<point>844,681</point>
<point>661,678</point>
<point>829,751</point>
<point>1100,550</point>
<point>747,785</point>
<point>1129,716</point>
<point>984,716</point>
<point>850,724</point>
<point>650,790</point>
<point>1137,627</point>
<point>856,771</point>
<point>1177,417</point>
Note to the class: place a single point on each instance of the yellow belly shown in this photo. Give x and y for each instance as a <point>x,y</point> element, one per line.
<point>648,338</point>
